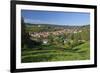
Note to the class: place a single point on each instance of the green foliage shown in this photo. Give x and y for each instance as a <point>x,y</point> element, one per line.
<point>63,47</point>
<point>80,52</point>
<point>52,53</point>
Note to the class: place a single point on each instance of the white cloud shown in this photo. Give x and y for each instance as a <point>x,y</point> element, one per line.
<point>32,21</point>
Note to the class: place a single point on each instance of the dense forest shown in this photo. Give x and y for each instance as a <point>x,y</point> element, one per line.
<point>52,42</point>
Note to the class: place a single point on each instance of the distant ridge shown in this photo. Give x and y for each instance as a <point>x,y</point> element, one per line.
<point>55,24</point>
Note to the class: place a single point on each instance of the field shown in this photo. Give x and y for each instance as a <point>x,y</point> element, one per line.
<point>47,42</point>
<point>80,52</point>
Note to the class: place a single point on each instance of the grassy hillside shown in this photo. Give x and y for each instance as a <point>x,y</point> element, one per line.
<point>80,52</point>
<point>46,42</point>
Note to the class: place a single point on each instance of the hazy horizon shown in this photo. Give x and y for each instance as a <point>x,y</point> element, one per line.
<point>56,24</point>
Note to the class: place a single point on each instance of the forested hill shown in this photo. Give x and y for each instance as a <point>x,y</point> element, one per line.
<point>60,26</point>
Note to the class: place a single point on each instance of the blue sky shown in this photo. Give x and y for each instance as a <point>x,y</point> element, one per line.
<point>53,17</point>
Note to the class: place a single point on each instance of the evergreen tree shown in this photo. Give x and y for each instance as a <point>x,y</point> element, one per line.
<point>24,34</point>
